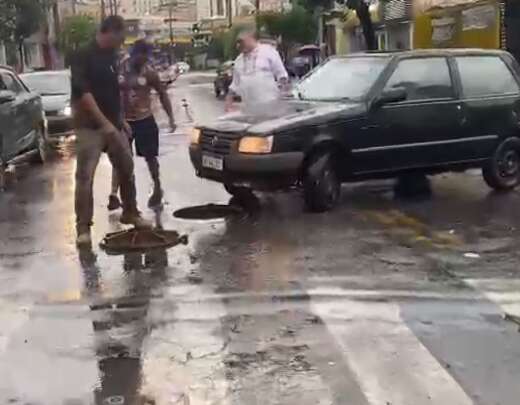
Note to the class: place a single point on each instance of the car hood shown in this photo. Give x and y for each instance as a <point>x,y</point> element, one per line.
<point>286,115</point>
<point>55,103</point>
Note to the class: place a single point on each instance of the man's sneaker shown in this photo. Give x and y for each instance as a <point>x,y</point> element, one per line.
<point>113,202</point>
<point>136,220</point>
<point>155,199</point>
<point>84,239</point>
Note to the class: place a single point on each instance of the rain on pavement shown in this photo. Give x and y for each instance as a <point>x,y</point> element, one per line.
<point>382,301</point>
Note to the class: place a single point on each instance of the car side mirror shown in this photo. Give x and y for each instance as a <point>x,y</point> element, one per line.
<point>7,96</point>
<point>394,95</point>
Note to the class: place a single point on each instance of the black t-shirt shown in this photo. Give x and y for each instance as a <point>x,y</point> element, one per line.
<point>94,70</point>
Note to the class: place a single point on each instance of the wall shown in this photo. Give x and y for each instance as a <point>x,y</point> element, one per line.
<point>451,28</point>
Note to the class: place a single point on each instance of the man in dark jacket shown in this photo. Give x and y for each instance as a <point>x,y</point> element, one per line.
<point>99,125</point>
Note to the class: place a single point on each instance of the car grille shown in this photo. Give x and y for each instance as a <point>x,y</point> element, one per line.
<point>220,143</point>
<point>52,113</point>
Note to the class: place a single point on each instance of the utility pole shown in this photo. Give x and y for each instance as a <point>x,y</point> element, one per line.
<point>229,7</point>
<point>170,6</point>
<point>103,10</point>
<point>74,10</point>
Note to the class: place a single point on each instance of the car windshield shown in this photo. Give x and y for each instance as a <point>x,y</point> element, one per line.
<point>341,78</point>
<point>48,84</point>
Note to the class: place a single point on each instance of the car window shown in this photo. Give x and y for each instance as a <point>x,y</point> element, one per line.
<point>485,76</point>
<point>342,78</point>
<point>423,78</point>
<point>9,82</point>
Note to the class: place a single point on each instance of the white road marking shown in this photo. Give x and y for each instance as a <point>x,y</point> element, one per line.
<point>391,365</point>
<point>183,360</point>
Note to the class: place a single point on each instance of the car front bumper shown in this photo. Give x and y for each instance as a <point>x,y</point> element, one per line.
<point>59,126</point>
<point>259,172</point>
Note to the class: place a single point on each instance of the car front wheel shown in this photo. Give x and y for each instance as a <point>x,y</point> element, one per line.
<point>321,184</point>
<point>502,171</point>
<point>42,147</point>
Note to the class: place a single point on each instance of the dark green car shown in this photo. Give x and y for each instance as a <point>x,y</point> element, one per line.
<point>23,126</point>
<point>374,115</point>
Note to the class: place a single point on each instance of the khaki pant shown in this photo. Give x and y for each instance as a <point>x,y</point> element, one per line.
<point>90,144</point>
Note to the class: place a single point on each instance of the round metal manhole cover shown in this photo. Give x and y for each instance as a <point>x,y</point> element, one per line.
<point>208,211</point>
<point>114,400</point>
<point>136,240</point>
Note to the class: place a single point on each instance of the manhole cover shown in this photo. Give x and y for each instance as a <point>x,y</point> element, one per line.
<point>209,211</point>
<point>141,240</point>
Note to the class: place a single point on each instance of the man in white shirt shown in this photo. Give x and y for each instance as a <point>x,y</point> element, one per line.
<point>258,73</point>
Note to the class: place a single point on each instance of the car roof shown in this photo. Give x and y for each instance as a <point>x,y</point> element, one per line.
<point>46,73</point>
<point>5,67</point>
<point>427,52</point>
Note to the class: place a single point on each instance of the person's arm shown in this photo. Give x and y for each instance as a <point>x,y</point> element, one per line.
<point>233,89</point>
<point>80,88</point>
<point>278,68</point>
<point>155,82</point>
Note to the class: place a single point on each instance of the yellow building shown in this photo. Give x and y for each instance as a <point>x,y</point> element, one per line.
<point>468,24</point>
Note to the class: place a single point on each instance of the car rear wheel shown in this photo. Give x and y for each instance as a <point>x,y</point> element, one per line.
<point>502,171</point>
<point>321,184</point>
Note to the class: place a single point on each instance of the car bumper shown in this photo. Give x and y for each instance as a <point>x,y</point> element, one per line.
<point>59,126</point>
<point>259,172</point>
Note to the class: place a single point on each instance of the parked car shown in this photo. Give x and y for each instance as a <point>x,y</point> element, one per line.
<point>374,115</point>
<point>54,89</point>
<point>224,78</point>
<point>23,124</point>
<point>182,67</point>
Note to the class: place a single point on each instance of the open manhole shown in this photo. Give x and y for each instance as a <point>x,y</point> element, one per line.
<point>135,240</point>
<point>209,211</point>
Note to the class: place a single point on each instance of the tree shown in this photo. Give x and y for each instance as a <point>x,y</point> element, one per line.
<point>76,31</point>
<point>363,12</point>
<point>362,9</point>
<point>19,19</point>
<point>294,27</point>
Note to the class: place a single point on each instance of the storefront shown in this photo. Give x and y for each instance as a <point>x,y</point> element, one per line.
<point>398,24</point>
<point>491,24</point>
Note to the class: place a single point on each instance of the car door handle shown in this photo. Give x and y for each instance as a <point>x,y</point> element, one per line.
<point>371,126</point>
<point>463,119</point>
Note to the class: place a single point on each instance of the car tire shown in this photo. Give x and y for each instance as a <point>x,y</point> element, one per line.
<point>502,171</point>
<point>321,184</point>
<point>42,147</point>
<point>2,169</point>
<point>237,191</point>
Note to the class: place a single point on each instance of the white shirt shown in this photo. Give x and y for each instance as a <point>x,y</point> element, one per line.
<point>255,75</point>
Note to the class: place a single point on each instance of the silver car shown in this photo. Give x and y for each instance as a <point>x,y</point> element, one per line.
<point>54,89</point>
<point>23,126</point>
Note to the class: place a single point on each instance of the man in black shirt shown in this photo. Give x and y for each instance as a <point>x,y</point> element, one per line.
<point>100,126</point>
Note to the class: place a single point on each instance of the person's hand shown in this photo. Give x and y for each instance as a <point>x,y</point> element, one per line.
<point>173,125</point>
<point>230,106</point>
<point>127,129</point>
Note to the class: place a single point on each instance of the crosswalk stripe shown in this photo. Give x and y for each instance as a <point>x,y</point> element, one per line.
<point>188,368</point>
<point>390,363</point>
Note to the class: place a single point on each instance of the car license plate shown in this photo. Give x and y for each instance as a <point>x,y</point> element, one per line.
<point>212,162</point>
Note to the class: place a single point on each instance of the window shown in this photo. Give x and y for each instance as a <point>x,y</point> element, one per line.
<point>9,82</point>
<point>423,79</point>
<point>485,76</point>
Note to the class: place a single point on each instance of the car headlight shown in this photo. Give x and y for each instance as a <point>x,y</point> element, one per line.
<point>67,111</point>
<point>195,136</point>
<point>256,144</point>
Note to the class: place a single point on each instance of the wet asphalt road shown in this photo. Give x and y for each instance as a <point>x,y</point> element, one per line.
<point>381,302</point>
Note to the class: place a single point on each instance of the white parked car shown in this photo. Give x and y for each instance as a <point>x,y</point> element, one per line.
<point>182,67</point>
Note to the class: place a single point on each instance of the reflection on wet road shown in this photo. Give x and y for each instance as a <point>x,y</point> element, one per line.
<point>382,301</point>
